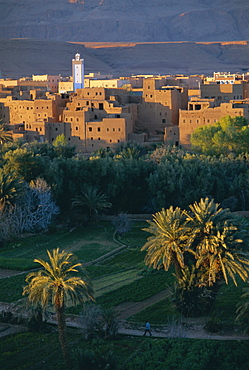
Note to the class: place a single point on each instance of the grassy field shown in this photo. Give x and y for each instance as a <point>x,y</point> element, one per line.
<point>124,277</point>
<point>87,243</point>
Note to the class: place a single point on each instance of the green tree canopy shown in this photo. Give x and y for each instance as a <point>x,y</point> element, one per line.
<point>229,134</point>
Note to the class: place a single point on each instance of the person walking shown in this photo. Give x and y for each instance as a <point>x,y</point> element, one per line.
<point>147,328</point>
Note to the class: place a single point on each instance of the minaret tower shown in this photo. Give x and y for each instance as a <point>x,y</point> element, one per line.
<point>78,72</point>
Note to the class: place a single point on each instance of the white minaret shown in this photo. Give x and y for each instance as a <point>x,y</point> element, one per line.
<point>78,72</point>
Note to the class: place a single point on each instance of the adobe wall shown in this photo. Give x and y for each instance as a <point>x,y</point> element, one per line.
<point>225,92</point>
<point>190,120</point>
<point>160,104</point>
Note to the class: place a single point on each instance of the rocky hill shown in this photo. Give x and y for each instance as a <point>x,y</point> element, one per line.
<point>20,58</point>
<point>125,20</point>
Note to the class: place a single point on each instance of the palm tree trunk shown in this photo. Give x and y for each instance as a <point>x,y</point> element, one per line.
<point>178,269</point>
<point>62,334</point>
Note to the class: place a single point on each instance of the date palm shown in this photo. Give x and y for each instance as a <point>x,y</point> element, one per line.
<point>218,239</point>
<point>5,135</point>
<point>168,244</point>
<point>11,188</point>
<point>92,199</point>
<point>57,284</point>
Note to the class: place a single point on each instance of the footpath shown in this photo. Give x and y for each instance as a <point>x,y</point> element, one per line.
<point>186,329</point>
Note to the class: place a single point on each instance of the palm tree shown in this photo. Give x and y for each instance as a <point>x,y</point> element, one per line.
<point>56,284</point>
<point>169,241</point>
<point>217,239</point>
<point>206,246</point>
<point>93,200</point>
<point>5,135</point>
<point>11,188</point>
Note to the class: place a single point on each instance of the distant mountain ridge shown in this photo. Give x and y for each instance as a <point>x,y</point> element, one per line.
<point>24,57</point>
<point>125,20</point>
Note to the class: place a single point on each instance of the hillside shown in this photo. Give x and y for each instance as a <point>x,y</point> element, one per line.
<point>129,20</point>
<point>23,57</point>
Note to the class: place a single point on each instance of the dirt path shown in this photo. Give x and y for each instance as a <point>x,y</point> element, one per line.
<point>7,273</point>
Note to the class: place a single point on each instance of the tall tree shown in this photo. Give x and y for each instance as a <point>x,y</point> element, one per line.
<point>93,200</point>
<point>5,135</point>
<point>206,244</point>
<point>11,187</point>
<point>58,285</point>
<point>168,244</point>
<point>220,242</point>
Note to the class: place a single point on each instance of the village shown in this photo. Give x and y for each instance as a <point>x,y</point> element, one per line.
<point>98,111</point>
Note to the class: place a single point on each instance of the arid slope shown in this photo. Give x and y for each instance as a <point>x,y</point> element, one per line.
<point>24,57</point>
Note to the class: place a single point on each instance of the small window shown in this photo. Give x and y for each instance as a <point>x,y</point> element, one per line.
<point>56,129</point>
<point>98,129</point>
<point>76,128</point>
<point>90,129</point>
<point>163,120</point>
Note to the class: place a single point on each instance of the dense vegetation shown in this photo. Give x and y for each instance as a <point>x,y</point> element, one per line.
<point>205,244</point>
<point>142,180</point>
<point>41,351</point>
